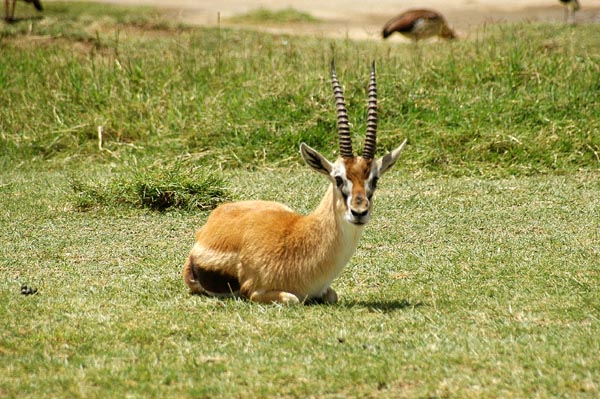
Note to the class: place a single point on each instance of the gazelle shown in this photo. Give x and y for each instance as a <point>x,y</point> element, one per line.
<point>267,253</point>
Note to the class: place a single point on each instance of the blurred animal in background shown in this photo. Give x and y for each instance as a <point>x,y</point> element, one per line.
<point>9,9</point>
<point>419,24</point>
<point>571,6</point>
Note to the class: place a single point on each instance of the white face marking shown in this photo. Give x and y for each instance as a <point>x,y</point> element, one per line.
<point>357,210</point>
<point>348,192</point>
<point>344,186</point>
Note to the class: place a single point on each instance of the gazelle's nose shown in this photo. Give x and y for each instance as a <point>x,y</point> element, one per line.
<point>360,202</point>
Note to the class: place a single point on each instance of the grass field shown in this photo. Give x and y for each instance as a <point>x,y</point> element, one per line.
<point>476,278</point>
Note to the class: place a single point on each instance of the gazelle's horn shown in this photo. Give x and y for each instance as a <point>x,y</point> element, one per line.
<point>371,137</point>
<point>342,117</point>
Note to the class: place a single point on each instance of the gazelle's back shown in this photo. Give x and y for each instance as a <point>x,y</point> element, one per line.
<point>236,219</point>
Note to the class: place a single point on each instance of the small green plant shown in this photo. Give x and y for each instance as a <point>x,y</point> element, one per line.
<point>159,189</point>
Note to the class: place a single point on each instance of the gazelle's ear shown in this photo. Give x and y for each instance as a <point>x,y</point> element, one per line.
<point>388,160</point>
<point>315,160</point>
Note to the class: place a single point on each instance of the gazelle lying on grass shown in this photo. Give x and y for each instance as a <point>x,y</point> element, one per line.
<point>267,253</point>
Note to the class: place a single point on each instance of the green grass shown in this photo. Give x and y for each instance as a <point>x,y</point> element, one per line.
<point>516,99</point>
<point>476,278</point>
<point>461,287</point>
<point>264,15</point>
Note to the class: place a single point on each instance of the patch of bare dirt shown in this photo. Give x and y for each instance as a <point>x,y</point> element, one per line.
<point>360,19</point>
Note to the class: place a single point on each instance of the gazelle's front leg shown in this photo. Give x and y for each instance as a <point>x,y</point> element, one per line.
<point>330,296</point>
<point>274,296</point>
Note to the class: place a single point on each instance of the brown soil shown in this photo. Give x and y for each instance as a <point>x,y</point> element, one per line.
<point>360,19</point>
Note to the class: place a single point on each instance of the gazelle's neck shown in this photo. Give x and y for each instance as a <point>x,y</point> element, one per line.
<point>334,229</point>
<point>332,241</point>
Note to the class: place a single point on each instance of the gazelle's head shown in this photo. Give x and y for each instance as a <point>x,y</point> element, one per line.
<point>354,177</point>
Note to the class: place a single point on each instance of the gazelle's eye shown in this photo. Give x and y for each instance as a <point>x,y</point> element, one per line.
<point>339,182</point>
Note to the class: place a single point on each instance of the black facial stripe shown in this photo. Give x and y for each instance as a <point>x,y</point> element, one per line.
<point>341,185</point>
<point>371,186</point>
<point>345,197</point>
<point>374,182</point>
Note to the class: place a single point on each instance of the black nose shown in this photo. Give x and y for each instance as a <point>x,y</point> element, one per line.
<point>359,214</point>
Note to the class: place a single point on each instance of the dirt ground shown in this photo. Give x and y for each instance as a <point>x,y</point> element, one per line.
<point>363,19</point>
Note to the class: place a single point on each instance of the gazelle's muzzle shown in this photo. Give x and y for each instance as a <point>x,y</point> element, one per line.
<point>358,210</point>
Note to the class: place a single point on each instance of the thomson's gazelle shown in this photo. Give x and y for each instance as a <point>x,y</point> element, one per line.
<point>265,252</point>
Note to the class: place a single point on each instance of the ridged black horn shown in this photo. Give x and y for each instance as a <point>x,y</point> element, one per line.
<point>371,137</point>
<point>342,117</point>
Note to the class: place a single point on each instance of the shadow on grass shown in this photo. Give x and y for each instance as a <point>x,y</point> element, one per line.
<point>16,20</point>
<point>383,306</point>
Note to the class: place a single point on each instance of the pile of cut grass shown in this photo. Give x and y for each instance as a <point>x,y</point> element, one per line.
<point>156,188</point>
